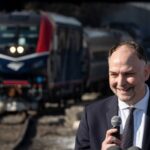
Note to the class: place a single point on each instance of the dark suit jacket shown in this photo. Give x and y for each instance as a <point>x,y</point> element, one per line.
<point>96,120</point>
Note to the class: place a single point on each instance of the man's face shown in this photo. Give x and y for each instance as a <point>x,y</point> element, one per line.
<point>127,75</point>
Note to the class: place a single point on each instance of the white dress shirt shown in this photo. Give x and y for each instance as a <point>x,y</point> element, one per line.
<point>139,117</point>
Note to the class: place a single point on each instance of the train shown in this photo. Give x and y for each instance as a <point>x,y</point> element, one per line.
<point>47,57</point>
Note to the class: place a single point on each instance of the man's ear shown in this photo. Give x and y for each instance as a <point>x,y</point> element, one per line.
<point>147,71</point>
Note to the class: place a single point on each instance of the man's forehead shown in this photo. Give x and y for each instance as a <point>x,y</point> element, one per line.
<point>124,68</point>
<point>124,49</point>
<point>123,53</point>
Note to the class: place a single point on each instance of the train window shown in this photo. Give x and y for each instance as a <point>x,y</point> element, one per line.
<point>55,44</point>
<point>69,38</point>
<point>24,35</point>
<point>61,38</point>
<point>28,30</point>
<point>30,33</point>
<point>14,34</point>
<point>74,40</point>
<point>7,35</point>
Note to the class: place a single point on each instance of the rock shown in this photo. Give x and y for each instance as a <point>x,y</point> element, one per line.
<point>13,118</point>
<point>51,120</point>
<point>73,116</point>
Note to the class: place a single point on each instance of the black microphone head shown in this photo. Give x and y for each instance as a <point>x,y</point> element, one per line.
<point>115,121</point>
<point>134,148</point>
<point>116,147</point>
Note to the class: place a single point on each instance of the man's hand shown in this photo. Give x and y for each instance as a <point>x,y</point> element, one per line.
<point>110,140</point>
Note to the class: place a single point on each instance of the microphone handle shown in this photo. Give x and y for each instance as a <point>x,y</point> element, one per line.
<point>117,134</point>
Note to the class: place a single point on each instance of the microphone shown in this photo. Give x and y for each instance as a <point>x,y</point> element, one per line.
<point>116,122</point>
<point>116,147</point>
<point>134,148</point>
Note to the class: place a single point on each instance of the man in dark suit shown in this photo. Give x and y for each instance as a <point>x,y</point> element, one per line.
<point>128,72</point>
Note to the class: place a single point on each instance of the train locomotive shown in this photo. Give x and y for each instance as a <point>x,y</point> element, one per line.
<point>50,58</point>
<point>40,59</point>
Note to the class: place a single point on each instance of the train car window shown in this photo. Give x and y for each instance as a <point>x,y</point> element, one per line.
<point>61,39</point>
<point>30,34</point>
<point>68,44</point>
<point>56,58</point>
<point>69,38</point>
<point>18,35</point>
<point>9,34</point>
<point>74,40</point>
<point>55,43</point>
<point>13,35</point>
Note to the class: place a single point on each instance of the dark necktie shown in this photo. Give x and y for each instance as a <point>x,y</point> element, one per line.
<point>128,132</point>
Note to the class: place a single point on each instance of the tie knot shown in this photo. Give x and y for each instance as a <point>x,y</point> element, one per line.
<point>131,109</point>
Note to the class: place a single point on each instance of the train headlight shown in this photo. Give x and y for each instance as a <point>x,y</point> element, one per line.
<point>20,49</point>
<point>12,49</point>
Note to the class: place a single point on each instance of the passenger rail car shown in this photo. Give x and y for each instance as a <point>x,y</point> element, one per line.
<point>40,59</point>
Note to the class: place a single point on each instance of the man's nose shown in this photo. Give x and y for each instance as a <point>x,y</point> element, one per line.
<point>121,80</point>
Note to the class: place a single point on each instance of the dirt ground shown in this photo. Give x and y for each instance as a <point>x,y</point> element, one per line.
<point>54,137</point>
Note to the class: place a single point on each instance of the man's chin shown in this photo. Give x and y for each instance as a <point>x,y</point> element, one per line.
<point>124,98</point>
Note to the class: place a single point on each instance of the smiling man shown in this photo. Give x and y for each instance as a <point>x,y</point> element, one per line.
<point>128,72</point>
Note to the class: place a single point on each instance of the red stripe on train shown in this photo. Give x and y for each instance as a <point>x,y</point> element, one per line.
<point>45,35</point>
<point>16,82</point>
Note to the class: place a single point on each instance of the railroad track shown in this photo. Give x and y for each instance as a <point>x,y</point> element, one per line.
<point>30,134</point>
<point>16,136</point>
<point>10,132</point>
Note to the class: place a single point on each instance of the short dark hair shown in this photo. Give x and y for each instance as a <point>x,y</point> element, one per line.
<point>138,48</point>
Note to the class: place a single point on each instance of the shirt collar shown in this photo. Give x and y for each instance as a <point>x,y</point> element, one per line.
<point>142,104</point>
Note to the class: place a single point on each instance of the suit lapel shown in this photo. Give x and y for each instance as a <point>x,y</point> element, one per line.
<point>146,138</point>
<point>112,110</point>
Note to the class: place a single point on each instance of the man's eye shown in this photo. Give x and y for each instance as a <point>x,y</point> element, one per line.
<point>113,75</point>
<point>130,74</point>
